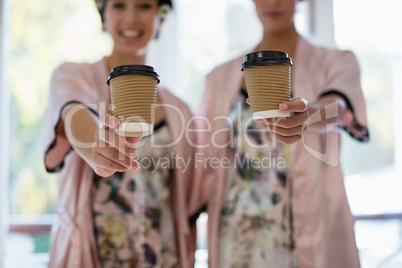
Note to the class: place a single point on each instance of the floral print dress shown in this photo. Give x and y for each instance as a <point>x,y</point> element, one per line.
<point>255,224</point>
<point>134,225</point>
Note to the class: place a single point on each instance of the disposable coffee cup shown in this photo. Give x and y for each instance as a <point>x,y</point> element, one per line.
<point>268,81</point>
<point>133,90</point>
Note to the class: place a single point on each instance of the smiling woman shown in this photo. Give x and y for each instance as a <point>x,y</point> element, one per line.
<point>62,28</point>
<point>128,214</point>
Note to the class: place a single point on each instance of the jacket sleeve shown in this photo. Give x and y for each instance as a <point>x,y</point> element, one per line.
<point>67,86</point>
<point>342,77</point>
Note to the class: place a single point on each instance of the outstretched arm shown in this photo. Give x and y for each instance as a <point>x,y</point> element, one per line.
<point>289,130</point>
<point>104,150</point>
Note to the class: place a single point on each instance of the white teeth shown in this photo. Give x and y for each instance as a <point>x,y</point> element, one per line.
<point>128,33</point>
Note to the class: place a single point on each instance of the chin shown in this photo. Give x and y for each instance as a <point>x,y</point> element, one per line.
<point>274,29</point>
<point>137,51</point>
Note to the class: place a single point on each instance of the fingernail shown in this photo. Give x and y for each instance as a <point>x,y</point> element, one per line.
<point>113,122</point>
<point>132,153</point>
<point>283,106</point>
<point>135,166</point>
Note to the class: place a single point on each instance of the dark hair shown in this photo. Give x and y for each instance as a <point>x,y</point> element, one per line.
<point>102,3</point>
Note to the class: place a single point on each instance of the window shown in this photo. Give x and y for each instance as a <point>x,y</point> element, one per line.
<point>4,112</point>
<point>374,181</point>
<point>42,35</point>
<point>377,50</point>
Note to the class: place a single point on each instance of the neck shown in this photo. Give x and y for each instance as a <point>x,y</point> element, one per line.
<point>118,59</point>
<point>281,41</point>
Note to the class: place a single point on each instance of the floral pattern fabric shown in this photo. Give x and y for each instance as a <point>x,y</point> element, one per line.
<point>134,223</point>
<point>255,228</point>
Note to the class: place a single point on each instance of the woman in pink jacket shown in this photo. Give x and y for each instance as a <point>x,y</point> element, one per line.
<point>111,212</point>
<point>281,204</point>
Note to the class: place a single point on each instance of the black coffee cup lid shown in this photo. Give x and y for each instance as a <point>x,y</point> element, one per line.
<point>132,69</point>
<point>265,57</point>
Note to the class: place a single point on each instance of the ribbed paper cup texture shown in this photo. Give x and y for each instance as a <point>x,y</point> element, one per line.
<point>134,100</point>
<point>267,87</point>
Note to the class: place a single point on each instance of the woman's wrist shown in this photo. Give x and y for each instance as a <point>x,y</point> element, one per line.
<point>80,125</point>
<point>327,110</point>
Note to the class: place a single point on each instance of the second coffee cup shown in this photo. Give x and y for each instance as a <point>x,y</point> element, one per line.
<point>133,90</point>
<point>268,81</point>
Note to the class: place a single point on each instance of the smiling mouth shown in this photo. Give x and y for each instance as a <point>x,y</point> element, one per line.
<point>130,33</point>
<point>273,14</point>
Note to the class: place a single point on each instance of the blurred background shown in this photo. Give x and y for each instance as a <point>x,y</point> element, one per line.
<point>37,36</point>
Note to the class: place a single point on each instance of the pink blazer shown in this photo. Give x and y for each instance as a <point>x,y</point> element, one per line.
<point>72,237</point>
<point>323,221</point>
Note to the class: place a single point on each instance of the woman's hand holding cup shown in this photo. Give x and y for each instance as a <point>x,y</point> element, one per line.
<point>113,153</point>
<point>288,130</point>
